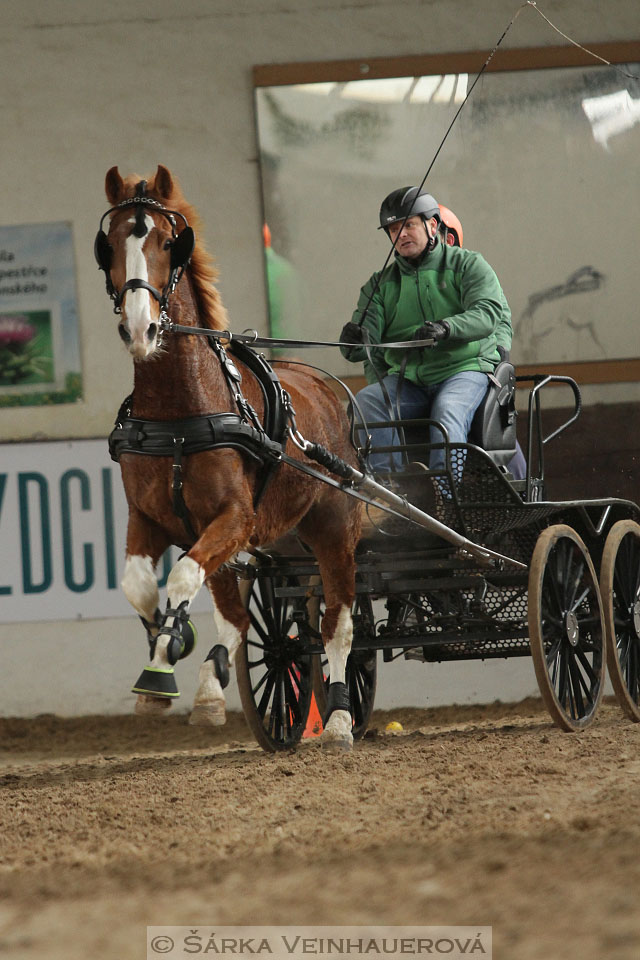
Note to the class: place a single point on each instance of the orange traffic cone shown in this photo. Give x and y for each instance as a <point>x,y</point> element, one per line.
<point>314,722</point>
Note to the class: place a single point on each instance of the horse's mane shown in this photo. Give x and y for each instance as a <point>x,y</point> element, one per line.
<point>163,187</point>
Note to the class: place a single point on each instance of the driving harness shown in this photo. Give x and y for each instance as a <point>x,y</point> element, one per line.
<point>243,431</point>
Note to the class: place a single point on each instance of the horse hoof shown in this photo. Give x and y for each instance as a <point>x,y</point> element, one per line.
<point>147,706</point>
<point>336,736</point>
<point>336,744</point>
<point>208,715</point>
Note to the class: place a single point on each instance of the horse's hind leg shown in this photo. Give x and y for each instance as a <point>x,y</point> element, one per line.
<point>232,623</point>
<point>334,548</point>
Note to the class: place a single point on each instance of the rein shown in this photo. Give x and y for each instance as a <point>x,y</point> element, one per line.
<point>253,339</point>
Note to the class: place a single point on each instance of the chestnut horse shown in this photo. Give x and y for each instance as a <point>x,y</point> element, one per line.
<point>178,376</point>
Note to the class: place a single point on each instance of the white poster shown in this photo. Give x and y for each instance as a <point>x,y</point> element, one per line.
<point>39,344</point>
<point>63,519</point>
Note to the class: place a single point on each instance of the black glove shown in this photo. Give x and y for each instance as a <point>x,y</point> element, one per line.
<point>432,330</point>
<point>504,354</point>
<point>351,333</point>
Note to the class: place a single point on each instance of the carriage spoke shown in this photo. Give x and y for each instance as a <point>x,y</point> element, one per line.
<point>276,707</point>
<point>259,629</point>
<point>625,649</point>
<point>554,651</point>
<point>292,697</point>
<point>632,672</point>
<point>261,682</point>
<point>622,586</point>
<point>276,704</point>
<point>577,573</point>
<point>266,696</point>
<point>552,592</point>
<point>583,674</point>
<point>587,667</point>
<point>577,685</point>
<point>588,623</point>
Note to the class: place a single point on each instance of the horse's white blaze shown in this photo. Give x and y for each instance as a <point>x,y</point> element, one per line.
<point>337,649</point>
<point>140,585</point>
<point>137,303</point>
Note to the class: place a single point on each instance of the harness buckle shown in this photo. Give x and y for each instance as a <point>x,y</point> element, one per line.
<point>177,464</point>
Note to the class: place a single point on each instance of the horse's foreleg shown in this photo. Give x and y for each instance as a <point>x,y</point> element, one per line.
<point>145,545</point>
<point>232,624</point>
<point>219,541</point>
<point>171,638</point>
<point>140,587</point>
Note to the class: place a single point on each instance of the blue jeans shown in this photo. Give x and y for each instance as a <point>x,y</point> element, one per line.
<point>451,403</point>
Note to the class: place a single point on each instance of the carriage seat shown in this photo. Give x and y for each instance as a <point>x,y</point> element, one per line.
<point>494,424</point>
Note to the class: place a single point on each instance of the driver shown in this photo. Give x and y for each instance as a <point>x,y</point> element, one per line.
<point>431,291</point>
<point>450,232</point>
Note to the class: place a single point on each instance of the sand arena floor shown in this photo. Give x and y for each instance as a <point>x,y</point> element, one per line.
<point>474,815</point>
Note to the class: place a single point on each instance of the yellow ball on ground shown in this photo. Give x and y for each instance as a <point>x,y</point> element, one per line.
<point>394,726</point>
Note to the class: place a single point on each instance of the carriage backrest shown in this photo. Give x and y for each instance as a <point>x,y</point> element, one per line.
<point>494,425</point>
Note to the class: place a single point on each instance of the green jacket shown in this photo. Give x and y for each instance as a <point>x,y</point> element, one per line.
<point>449,283</point>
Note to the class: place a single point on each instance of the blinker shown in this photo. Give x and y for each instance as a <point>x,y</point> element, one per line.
<point>103,251</point>
<point>182,248</point>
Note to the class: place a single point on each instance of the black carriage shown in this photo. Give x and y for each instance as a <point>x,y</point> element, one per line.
<point>566,593</point>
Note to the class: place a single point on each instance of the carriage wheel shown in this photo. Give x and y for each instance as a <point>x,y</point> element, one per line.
<point>361,673</point>
<point>274,676</point>
<point>620,587</point>
<point>566,628</point>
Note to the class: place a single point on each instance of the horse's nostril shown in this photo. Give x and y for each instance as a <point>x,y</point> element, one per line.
<point>124,333</point>
<point>152,329</point>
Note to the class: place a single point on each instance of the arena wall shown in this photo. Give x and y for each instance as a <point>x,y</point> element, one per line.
<point>85,85</point>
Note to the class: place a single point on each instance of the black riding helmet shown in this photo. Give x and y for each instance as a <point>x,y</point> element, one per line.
<point>407,202</point>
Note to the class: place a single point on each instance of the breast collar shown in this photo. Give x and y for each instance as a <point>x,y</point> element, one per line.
<point>264,442</point>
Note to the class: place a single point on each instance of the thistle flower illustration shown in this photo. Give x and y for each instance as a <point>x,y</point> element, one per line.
<point>15,331</point>
<point>20,351</point>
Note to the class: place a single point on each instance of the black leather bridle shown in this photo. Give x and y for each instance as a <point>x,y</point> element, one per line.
<point>182,245</point>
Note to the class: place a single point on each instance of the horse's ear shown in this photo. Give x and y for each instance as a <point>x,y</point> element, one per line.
<point>163,183</point>
<point>114,186</point>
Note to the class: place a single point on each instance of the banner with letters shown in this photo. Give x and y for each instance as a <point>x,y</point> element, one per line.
<point>39,342</point>
<point>63,518</point>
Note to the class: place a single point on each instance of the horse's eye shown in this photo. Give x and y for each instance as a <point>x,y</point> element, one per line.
<point>167,244</point>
